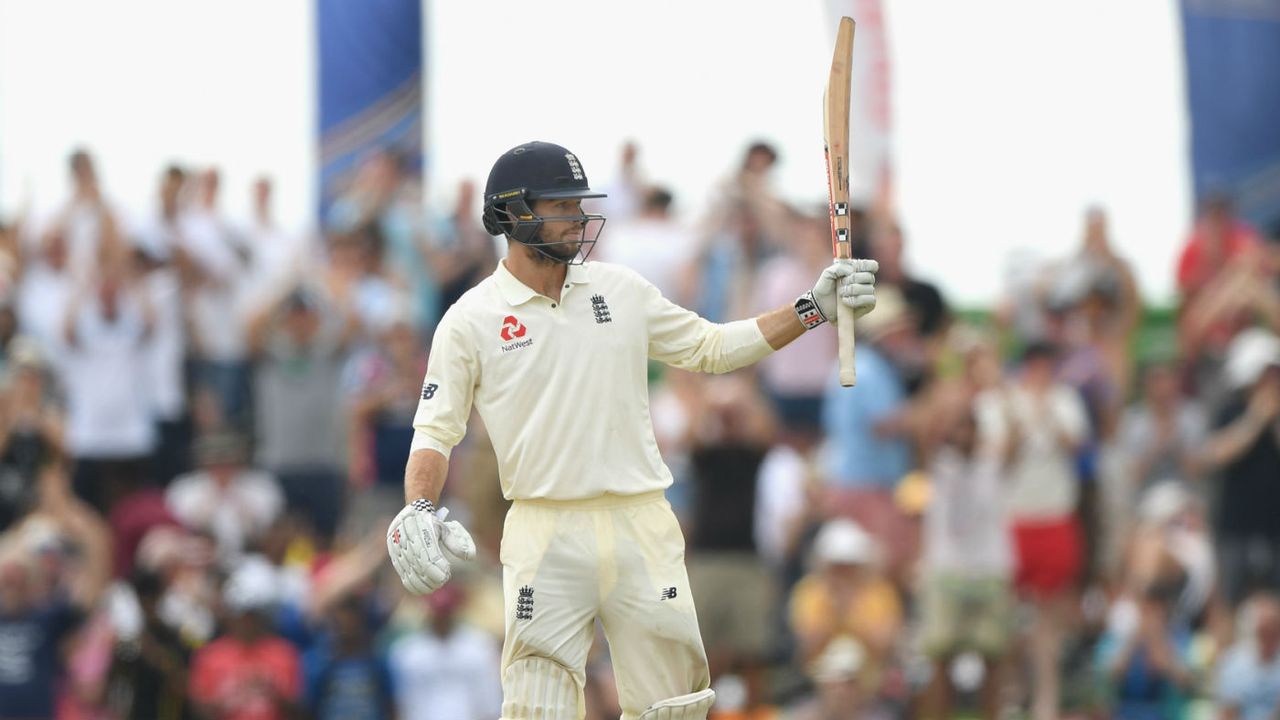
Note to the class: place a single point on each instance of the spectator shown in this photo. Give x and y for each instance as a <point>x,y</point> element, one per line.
<point>88,219</point>
<point>1162,434</point>
<point>300,341</point>
<point>652,243</point>
<point>274,257</point>
<point>796,377</point>
<point>448,670</point>
<point>928,307</point>
<point>45,287</point>
<point>214,266</point>
<point>1050,421</point>
<point>839,676</point>
<point>1170,549</point>
<point>225,498</point>
<point>1100,285</point>
<point>383,204</point>
<point>732,433</point>
<point>347,679</point>
<point>1219,237</point>
<point>154,249</point>
<point>45,595</point>
<point>110,431</point>
<point>358,278</point>
<point>968,558</point>
<point>381,427</point>
<point>1249,676</point>
<point>846,594</point>
<point>148,676</point>
<point>1149,667</point>
<point>31,432</point>
<point>247,673</point>
<point>463,253</point>
<point>1244,450</point>
<point>868,432</point>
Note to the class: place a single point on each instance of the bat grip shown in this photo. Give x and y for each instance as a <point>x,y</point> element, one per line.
<point>844,337</point>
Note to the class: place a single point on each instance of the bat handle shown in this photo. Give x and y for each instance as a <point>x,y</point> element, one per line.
<point>844,337</point>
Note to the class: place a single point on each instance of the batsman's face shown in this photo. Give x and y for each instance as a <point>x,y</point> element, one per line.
<point>567,233</point>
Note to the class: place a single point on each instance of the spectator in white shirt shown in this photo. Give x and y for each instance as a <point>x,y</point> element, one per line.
<point>87,219</point>
<point>1050,421</point>
<point>214,267</point>
<point>166,351</point>
<point>653,244</point>
<point>109,422</point>
<point>449,670</point>
<point>227,499</point>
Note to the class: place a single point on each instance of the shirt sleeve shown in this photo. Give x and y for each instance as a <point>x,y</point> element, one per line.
<point>453,370</point>
<point>683,339</point>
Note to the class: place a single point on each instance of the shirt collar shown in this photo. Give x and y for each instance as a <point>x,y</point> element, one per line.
<point>516,293</point>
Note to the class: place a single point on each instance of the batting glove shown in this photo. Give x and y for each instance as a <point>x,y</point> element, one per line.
<point>856,280</point>
<point>422,545</point>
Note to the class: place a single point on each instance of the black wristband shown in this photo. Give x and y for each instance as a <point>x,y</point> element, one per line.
<point>424,504</point>
<point>808,311</point>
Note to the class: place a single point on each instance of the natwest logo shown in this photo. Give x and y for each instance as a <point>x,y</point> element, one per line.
<point>511,328</point>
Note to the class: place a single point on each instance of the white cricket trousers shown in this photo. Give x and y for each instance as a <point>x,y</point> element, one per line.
<point>619,558</point>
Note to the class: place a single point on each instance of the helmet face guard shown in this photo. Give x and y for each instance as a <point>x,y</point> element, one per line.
<point>540,171</point>
<point>511,215</point>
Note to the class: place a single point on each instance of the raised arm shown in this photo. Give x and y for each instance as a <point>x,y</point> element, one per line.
<point>681,338</point>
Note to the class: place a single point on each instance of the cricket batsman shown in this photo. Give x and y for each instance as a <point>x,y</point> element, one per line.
<point>552,351</point>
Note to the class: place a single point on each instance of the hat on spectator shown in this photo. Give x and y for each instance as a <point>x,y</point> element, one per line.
<point>1249,355</point>
<point>251,586</point>
<point>844,542</point>
<point>840,660</point>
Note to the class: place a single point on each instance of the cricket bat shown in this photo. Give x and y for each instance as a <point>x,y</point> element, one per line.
<point>835,137</point>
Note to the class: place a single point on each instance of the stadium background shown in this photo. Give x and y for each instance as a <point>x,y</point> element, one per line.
<point>984,132</point>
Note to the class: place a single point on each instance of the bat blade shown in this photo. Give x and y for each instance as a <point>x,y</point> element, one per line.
<point>835,135</point>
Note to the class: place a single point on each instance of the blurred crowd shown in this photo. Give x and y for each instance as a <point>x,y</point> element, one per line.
<point>1061,508</point>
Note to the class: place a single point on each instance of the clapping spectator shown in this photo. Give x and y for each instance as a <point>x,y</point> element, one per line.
<point>846,593</point>
<point>347,679</point>
<point>1049,420</point>
<point>148,675</point>
<point>449,669</point>
<point>1244,451</point>
<point>45,594</point>
<point>300,340</point>
<point>968,557</point>
<point>31,432</point>
<point>225,498</point>
<point>247,673</point>
<point>1248,683</point>
<point>110,429</point>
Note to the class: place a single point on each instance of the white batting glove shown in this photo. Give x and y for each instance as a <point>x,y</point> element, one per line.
<point>856,280</point>
<point>422,546</point>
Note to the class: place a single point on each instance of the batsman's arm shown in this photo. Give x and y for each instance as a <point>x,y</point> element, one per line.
<point>448,390</point>
<point>780,326</point>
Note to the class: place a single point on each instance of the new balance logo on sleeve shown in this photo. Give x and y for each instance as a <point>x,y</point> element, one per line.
<point>668,593</point>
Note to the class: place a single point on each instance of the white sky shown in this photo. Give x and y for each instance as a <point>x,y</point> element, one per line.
<point>1010,117</point>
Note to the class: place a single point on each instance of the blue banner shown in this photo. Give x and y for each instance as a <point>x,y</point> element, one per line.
<point>1233,88</point>
<point>370,86</point>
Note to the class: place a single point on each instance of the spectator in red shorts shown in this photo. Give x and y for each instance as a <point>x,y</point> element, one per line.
<point>1050,421</point>
<point>248,673</point>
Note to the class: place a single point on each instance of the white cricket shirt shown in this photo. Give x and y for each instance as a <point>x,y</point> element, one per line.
<point>563,386</point>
